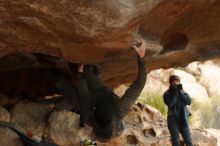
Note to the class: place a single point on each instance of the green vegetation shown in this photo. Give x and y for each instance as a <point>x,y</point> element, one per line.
<point>154,99</point>
<point>204,115</point>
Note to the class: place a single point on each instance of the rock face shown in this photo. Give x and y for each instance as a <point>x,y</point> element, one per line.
<point>144,126</point>
<point>202,137</point>
<point>102,32</point>
<point>208,75</point>
<point>64,129</point>
<point>31,117</point>
<point>178,32</point>
<point>215,133</point>
<point>8,137</point>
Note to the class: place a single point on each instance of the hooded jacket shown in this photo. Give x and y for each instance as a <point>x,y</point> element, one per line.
<point>177,101</point>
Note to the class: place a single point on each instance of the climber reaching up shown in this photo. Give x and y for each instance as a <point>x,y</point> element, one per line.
<point>97,103</point>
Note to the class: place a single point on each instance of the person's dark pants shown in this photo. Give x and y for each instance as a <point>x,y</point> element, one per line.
<point>75,95</point>
<point>81,95</point>
<point>175,129</point>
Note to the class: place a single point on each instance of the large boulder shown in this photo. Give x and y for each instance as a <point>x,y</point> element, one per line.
<point>203,138</point>
<point>157,81</point>
<point>8,137</point>
<point>215,133</point>
<point>63,129</point>
<point>190,84</point>
<point>208,76</point>
<point>31,117</point>
<point>144,125</point>
<point>4,114</point>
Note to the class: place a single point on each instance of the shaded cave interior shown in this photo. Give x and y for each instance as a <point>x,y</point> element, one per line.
<point>28,76</point>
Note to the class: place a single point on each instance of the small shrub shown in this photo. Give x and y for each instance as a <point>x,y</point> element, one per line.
<point>205,115</point>
<point>154,99</point>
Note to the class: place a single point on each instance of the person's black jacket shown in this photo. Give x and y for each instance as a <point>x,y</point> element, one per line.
<point>177,101</point>
<point>124,103</point>
<point>98,104</point>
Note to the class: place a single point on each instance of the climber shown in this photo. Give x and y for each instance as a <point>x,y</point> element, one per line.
<point>177,99</point>
<point>97,104</point>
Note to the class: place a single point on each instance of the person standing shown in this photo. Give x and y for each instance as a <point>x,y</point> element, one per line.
<point>177,99</point>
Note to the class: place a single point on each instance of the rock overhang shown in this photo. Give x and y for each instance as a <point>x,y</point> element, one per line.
<point>101,32</point>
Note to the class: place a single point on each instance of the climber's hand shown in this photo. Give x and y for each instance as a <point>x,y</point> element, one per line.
<point>80,68</point>
<point>141,49</point>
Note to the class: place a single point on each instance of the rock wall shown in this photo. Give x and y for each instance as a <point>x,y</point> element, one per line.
<point>8,137</point>
<point>144,126</point>
<point>207,74</point>
<point>178,32</point>
<point>102,32</point>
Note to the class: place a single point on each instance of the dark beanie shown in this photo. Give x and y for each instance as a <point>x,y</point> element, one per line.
<point>174,77</point>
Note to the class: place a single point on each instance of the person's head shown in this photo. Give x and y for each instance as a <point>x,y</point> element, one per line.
<point>174,80</point>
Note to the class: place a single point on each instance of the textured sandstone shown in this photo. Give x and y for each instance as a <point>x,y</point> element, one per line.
<point>32,117</point>
<point>64,130</point>
<point>208,75</point>
<point>102,32</point>
<point>8,137</point>
<point>144,126</point>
